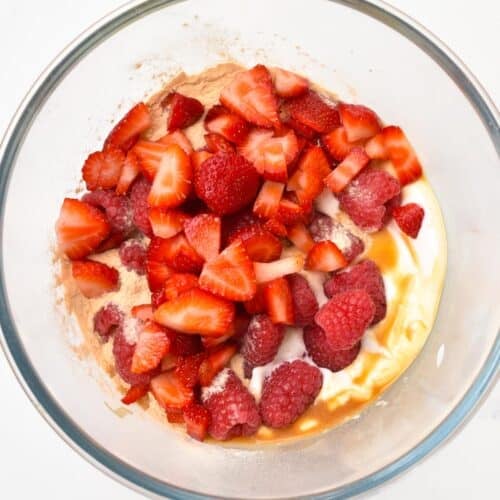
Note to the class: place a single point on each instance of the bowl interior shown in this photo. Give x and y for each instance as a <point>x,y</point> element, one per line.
<point>361,60</point>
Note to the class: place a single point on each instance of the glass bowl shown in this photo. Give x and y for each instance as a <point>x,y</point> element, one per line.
<point>363,51</point>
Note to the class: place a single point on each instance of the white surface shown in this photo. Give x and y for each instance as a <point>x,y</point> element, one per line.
<point>35,461</point>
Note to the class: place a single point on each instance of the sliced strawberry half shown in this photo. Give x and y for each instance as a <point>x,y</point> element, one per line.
<point>251,95</point>
<point>253,143</point>
<point>375,147</point>
<point>130,170</point>
<point>289,212</point>
<point>359,121</point>
<point>178,254</point>
<point>94,278</point>
<point>135,393</point>
<point>276,227</point>
<point>80,228</point>
<point>177,284</point>
<point>268,200</point>
<point>345,171</point>
<point>260,244</point>
<point>203,232</point>
<point>129,128</point>
<point>152,344</point>
<point>157,269</point>
<point>267,271</point>
<point>167,222</point>
<point>184,111</point>
<point>170,392</point>
<point>230,275</point>
<point>197,311</point>
<point>257,304</point>
<point>288,84</point>
<point>188,368</point>
<point>337,145</point>
<point>178,137</point>
<point>325,256</point>
<point>300,236</point>
<point>197,419</point>
<point>215,362</point>
<point>229,125</point>
<point>217,143</point>
<point>102,169</point>
<point>172,182</point>
<point>279,302</point>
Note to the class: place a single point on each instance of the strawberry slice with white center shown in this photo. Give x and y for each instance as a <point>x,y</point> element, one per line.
<point>172,182</point>
<point>375,147</point>
<point>129,128</point>
<point>152,344</point>
<point>215,362</point>
<point>268,200</point>
<point>359,121</point>
<point>203,232</point>
<point>279,302</point>
<point>337,145</point>
<point>267,271</point>
<point>288,84</point>
<point>325,256</point>
<point>251,95</point>
<point>80,228</point>
<point>230,275</point>
<point>184,110</point>
<point>300,236</point>
<point>130,170</point>
<point>102,169</point>
<point>170,392</point>
<point>197,312</point>
<point>178,137</point>
<point>94,278</point>
<point>402,155</point>
<point>143,312</point>
<point>167,222</point>
<point>230,125</point>
<point>345,171</point>
<point>251,147</point>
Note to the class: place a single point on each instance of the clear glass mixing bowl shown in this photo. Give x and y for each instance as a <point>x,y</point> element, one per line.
<point>363,51</point>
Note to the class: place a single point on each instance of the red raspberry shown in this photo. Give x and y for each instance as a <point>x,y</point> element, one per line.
<point>345,317</point>
<point>323,355</point>
<point>261,341</point>
<point>365,198</point>
<point>139,200</point>
<point>133,256</point>
<point>305,305</point>
<point>123,353</point>
<point>106,319</point>
<point>226,182</point>
<point>232,408</point>
<point>364,275</point>
<point>325,228</point>
<point>288,392</point>
<point>118,212</point>
<point>188,369</point>
<point>409,218</point>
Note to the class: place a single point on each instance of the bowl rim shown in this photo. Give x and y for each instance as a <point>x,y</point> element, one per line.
<point>11,343</point>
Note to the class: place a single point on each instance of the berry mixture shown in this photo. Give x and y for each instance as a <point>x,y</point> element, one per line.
<point>228,236</point>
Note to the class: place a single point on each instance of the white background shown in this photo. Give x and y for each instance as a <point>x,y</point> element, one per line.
<point>34,461</point>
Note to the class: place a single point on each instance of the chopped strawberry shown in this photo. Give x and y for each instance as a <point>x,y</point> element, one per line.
<point>218,144</point>
<point>260,244</point>
<point>150,155</point>
<point>203,232</point>
<point>299,235</point>
<point>216,361</point>
<point>184,344</point>
<point>178,137</point>
<point>288,84</point>
<point>307,181</point>
<point>299,128</point>
<point>167,222</point>
<point>197,419</point>
<point>170,392</point>
<point>402,155</point>
<point>267,202</point>
<point>169,362</point>
<point>289,213</point>
<point>257,304</point>
<point>152,344</point>
<point>279,302</point>
<point>175,415</point>
<point>229,125</point>
<point>188,368</point>
<point>80,228</point>
<point>198,157</point>
<point>276,227</point>
<point>230,275</point>
<point>178,283</point>
<point>267,271</point>
<point>184,111</point>
<point>156,268</point>
<point>311,110</point>
<point>178,254</point>
<point>128,174</point>
<point>129,128</point>
<point>94,278</point>
<point>172,182</point>
<point>325,256</point>
<point>197,311</point>
<point>251,95</point>
<point>375,147</point>
<point>102,169</point>
<point>143,312</point>
<point>337,145</point>
<point>359,121</point>
<point>253,143</point>
<point>409,218</point>
<point>345,171</point>
<point>135,393</point>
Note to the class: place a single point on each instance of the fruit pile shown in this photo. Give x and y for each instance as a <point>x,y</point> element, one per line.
<point>208,228</point>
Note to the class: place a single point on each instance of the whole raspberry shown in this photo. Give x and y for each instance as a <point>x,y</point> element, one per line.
<point>365,198</point>
<point>139,200</point>
<point>345,317</point>
<point>305,305</point>
<point>288,392</point>
<point>232,408</point>
<point>133,256</point>
<point>226,182</point>
<point>324,227</point>
<point>323,355</point>
<point>364,275</point>
<point>106,319</point>
<point>261,341</point>
<point>409,218</point>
